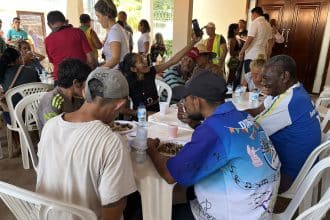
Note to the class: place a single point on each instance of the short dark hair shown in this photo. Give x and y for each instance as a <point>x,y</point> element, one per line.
<point>9,56</point>
<point>72,69</point>
<point>84,18</point>
<point>257,10</point>
<point>122,12</point>
<point>16,18</point>
<point>107,8</point>
<point>282,63</point>
<point>266,16</point>
<point>145,24</point>
<point>55,16</point>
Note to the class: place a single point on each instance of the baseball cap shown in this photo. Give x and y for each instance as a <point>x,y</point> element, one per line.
<point>114,84</point>
<point>206,85</point>
<point>193,53</point>
<point>84,18</point>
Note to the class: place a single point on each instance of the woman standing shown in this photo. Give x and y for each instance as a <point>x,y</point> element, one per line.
<point>116,45</point>
<point>158,48</point>
<point>234,48</point>
<point>144,40</point>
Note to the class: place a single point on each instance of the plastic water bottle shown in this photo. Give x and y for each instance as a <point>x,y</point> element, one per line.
<point>140,144</point>
<point>237,94</point>
<point>142,115</point>
<point>255,97</point>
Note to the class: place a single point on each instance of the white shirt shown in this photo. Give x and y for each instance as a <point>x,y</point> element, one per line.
<point>145,37</point>
<point>83,163</point>
<point>260,29</point>
<point>116,34</point>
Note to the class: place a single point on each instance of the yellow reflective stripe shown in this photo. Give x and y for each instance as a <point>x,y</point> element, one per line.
<point>217,49</point>
<point>57,101</point>
<point>49,115</point>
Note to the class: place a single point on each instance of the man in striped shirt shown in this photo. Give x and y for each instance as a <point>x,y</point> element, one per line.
<point>178,75</point>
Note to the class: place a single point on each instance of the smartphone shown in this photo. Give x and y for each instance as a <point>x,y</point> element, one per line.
<point>196,28</point>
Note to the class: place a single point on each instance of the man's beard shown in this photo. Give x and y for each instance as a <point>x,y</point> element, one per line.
<point>196,117</point>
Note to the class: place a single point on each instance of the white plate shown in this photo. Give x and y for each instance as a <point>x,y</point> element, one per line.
<point>126,122</point>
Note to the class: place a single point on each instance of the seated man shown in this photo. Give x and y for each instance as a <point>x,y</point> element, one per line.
<point>230,161</point>
<point>178,75</point>
<point>288,116</point>
<point>81,161</point>
<point>67,96</point>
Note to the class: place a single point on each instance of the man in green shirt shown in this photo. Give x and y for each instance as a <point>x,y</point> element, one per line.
<point>16,33</point>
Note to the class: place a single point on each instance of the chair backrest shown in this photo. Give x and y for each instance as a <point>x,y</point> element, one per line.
<point>308,183</point>
<point>317,211</point>
<point>161,86</point>
<point>325,121</point>
<point>319,151</point>
<point>23,90</point>
<point>29,106</point>
<point>29,205</point>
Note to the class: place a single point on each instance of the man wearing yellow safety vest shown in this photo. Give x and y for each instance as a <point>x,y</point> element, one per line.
<point>93,39</point>
<point>216,43</point>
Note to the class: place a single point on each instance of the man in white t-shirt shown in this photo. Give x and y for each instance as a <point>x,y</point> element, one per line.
<point>259,37</point>
<point>81,160</point>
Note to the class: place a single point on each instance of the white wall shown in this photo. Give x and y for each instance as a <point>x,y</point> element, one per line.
<point>220,12</point>
<point>8,9</point>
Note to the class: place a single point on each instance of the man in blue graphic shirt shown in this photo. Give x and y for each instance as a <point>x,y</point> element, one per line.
<point>230,161</point>
<point>288,116</point>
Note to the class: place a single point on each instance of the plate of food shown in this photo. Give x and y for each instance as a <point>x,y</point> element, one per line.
<point>123,127</point>
<point>169,149</point>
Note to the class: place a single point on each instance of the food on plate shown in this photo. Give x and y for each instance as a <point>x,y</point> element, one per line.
<point>116,126</point>
<point>169,149</point>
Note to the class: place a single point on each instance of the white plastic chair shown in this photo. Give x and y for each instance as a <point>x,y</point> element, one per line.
<point>316,153</point>
<point>318,211</point>
<point>29,106</point>
<point>27,205</point>
<point>23,90</point>
<point>320,152</point>
<point>161,86</point>
<point>322,103</point>
<point>312,179</point>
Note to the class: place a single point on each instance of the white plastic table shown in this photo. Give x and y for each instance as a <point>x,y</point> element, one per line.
<point>156,193</point>
<point>244,102</point>
<point>169,118</point>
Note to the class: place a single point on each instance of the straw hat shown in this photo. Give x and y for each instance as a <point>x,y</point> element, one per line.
<point>202,50</point>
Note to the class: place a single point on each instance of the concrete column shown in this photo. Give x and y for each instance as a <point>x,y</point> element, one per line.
<point>182,16</point>
<point>73,10</point>
<point>147,12</point>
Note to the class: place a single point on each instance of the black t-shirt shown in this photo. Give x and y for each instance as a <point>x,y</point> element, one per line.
<point>144,91</point>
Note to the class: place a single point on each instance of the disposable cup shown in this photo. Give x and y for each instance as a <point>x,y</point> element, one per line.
<point>163,108</point>
<point>172,130</point>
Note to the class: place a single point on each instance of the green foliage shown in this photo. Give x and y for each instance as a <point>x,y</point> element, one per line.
<point>133,10</point>
<point>168,46</point>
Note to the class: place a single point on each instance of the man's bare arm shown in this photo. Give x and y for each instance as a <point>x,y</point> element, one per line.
<point>114,211</point>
